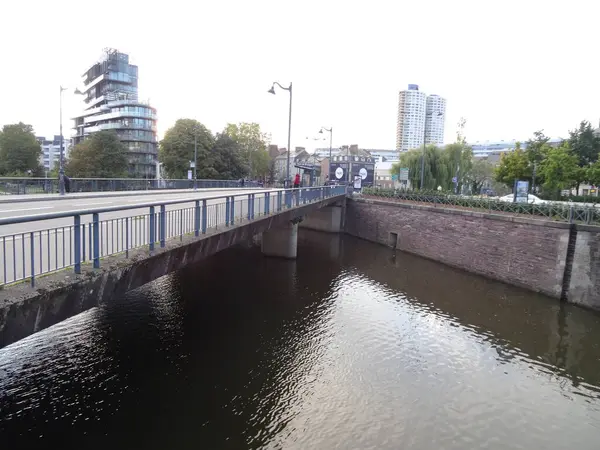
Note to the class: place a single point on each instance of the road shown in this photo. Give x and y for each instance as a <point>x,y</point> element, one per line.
<point>53,239</point>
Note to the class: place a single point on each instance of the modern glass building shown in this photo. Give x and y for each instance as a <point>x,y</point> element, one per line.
<point>111,96</point>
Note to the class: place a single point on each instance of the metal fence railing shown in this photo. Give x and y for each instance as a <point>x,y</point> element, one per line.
<point>71,239</point>
<point>557,211</point>
<point>24,186</point>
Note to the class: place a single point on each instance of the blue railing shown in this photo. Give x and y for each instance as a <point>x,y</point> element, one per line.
<point>86,236</point>
<point>25,186</point>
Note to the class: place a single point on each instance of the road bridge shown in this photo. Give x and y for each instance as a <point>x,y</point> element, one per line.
<point>57,264</point>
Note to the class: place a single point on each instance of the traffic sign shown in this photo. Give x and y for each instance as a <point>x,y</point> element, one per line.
<point>404,174</point>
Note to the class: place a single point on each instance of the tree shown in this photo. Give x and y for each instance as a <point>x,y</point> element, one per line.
<point>226,160</point>
<point>559,169</point>
<point>253,144</point>
<point>593,173</point>
<point>102,155</point>
<point>20,151</point>
<point>584,144</point>
<point>272,172</point>
<point>481,171</point>
<point>513,166</point>
<point>177,149</point>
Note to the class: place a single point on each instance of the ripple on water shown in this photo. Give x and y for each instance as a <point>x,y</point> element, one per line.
<point>319,353</point>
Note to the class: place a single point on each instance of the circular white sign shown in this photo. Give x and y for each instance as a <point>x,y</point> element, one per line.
<point>363,173</point>
<point>339,173</point>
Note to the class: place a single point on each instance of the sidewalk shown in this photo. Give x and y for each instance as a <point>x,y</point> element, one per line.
<point>79,195</point>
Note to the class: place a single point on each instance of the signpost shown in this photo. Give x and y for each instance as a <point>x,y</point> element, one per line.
<point>521,191</point>
<point>404,174</point>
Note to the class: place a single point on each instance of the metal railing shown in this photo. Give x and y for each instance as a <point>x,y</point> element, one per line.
<point>556,211</point>
<point>87,236</point>
<point>24,186</point>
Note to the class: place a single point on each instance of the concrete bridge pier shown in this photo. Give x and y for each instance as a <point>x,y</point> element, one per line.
<point>281,242</point>
<point>328,219</point>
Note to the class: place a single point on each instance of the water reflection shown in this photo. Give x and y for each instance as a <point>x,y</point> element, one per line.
<point>350,346</point>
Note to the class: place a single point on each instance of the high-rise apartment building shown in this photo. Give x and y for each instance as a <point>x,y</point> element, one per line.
<point>411,118</point>
<point>50,157</point>
<point>111,96</point>
<point>420,118</point>
<point>435,115</point>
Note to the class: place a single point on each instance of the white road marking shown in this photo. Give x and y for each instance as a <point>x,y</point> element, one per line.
<point>91,204</point>
<point>25,209</point>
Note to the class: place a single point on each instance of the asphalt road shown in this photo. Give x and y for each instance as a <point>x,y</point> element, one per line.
<point>53,239</point>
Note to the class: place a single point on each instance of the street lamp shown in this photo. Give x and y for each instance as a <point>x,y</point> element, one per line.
<point>330,130</point>
<point>287,168</point>
<point>61,166</point>
<point>423,157</point>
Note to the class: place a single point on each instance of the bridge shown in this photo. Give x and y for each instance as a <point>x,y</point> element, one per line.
<point>56,264</point>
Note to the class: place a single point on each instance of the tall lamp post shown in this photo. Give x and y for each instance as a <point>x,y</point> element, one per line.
<point>330,130</point>
<point>423,156</point>
<point>195,160</point>
<point>287,167</point>
<point>61,165</point>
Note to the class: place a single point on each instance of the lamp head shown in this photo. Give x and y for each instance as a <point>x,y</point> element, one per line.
<point>321,131</point>
<point>77,91</point>
<point>272,90</point>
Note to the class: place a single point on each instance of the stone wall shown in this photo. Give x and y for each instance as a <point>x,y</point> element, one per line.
<point>584,283</point>
<point>525,252</point>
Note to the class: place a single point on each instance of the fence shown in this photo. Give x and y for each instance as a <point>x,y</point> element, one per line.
<point>23,186</point>
<point>557,211</point>
<point>89,235</point>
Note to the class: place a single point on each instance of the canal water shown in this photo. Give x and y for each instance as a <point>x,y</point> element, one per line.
<point>352,346</point>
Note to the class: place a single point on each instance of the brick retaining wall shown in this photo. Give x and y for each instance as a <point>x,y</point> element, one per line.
<point>521,251</point>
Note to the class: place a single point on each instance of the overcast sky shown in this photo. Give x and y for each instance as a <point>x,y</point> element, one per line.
<point>508,67</point>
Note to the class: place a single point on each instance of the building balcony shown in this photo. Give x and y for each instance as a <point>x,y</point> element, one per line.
<point>117,115</point>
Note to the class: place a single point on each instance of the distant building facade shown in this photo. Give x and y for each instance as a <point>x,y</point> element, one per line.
<point>435,116</point>
<point>50,157</point>
<point>421,118</point>
<point>111,95</point>
<point>483,149</point>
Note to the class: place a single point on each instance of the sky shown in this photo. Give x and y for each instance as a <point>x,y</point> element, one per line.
<point>509,68</point>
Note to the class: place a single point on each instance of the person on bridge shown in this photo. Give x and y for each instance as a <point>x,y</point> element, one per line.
<point>297,181</point>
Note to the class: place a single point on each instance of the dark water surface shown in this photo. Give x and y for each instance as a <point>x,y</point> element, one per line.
<point>349,347</point>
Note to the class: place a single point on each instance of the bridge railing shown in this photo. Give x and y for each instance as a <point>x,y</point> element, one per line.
<point>72,239</point>
<point>25,186</point>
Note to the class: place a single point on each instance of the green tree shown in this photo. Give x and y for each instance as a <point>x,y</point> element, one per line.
<point>584,144</point>
<point>19,150</point>
<point>102,155</point>
<point>481,171</point>
<point>253,144</point>
<point>536,147</point>
<point>513,166</point>
<point>593,173</point>
<point>559,169</point>
<point>177,149</point>
<point>226,160</point>
<point>458,159</point>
